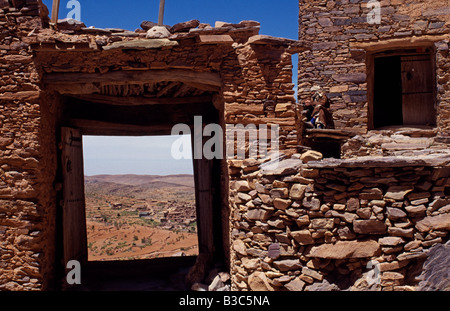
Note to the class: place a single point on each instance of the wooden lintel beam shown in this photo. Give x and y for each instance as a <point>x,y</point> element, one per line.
<point>143,101</point>
<point>135,77</point>
<point>93,127</point>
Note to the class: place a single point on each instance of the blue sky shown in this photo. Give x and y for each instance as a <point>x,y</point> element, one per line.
<point>277,18</point>
<point>151,155</point>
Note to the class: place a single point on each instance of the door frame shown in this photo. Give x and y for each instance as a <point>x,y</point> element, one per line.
<point>428,49</point>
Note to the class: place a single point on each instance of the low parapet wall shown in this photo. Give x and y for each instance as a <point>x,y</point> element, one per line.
<point>337,224</point>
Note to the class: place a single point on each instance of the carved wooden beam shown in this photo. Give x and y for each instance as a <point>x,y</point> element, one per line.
<point>91,127</point>
<point>135,77</point>
<point>142,101</point>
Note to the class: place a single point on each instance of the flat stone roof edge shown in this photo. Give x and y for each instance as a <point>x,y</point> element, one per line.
<point>434,160</point>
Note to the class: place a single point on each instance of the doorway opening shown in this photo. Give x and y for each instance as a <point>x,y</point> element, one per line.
<point>140,202</point>
<point>112,264</point>
<point>402,88</point>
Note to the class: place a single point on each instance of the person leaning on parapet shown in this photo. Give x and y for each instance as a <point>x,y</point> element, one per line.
<point>317,112</point>
<point>308,108</point>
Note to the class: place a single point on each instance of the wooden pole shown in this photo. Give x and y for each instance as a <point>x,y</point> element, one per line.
<point>55,11</point>
<point>162,4</point>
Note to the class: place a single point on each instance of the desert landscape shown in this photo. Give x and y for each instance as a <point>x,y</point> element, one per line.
<point>140,216</point>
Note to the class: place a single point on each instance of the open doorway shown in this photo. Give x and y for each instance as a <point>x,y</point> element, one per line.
<point>140,202</point>
<point>154,270</point>
<point>403,88</point>
<point>140,104</point>
<point>127,230</point>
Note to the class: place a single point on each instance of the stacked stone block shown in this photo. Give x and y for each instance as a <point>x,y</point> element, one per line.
<point>320,226</point>
<point>341,38</point>
<point>257,88</point>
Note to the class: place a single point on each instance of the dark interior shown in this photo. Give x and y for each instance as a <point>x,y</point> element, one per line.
<point>388,92</point>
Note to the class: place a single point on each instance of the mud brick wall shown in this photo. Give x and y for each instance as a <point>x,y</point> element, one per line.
<point>341,37</point>
<point>322,225</point>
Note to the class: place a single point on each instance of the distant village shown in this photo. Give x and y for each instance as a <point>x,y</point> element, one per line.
<point>169,215</point>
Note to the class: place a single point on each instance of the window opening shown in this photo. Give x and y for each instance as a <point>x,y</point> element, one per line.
<point>404,92</point>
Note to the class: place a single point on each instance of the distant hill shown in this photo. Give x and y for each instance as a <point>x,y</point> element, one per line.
<point>141,186</point>
<point>133,180</point>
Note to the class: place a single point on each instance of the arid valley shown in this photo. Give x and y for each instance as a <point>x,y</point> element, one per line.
<point>140,216</point>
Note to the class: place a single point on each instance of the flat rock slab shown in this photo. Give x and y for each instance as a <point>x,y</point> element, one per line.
<point>288,265</point>
<point>369,226</point>
<point>215,39</point>
<point>258,214</point>
<point>405,146</point>
<point>259,282</point>
<point>346,249</point>
<point>296,285</point>
<point>397,192</point>
<point>185,26</point>
<point>435,269</point>
<point>439,222</point>
<point>436,160</point>
<point>141,44</point>
<point>285,167</point>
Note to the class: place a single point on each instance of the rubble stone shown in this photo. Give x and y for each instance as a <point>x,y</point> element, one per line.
<point>369,226</point>
<point>311,155</point>
<point>297,191</point>
<point>346,249</point>
<point>288,265</point>
<point>303,237</point>
<point>439,222</point>
<point>385,199</point>
<point>257,281</point>
<point>157,32</point>
<point>295,285</point>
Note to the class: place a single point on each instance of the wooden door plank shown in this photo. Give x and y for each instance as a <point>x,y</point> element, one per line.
<point>74,214</point>
<point>417,90</point>
<point>203,176</point>
<point>416,75</point>
<point>418,109</point>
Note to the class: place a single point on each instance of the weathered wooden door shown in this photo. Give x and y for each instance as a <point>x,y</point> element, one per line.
<point>74,213</point>
<point>417,90</point>
<point>204,196</point>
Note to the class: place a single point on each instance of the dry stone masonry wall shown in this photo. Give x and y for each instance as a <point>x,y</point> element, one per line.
<point>324,225</point>
<point>25,197</point>
<point>308,224</point>
<point>255,73</point>
<point>342,38</point>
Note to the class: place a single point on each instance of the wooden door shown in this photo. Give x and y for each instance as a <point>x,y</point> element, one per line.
<point>417,90</point>
<point>204,197</point>
<point>74,213</point>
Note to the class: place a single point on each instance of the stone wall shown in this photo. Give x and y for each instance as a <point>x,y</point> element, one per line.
<point>256,87</point>
<point>342,38</point>
<point>27,198</point>
<point>400,142</point>
<point>302,226</point>
<point>325,225</point>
